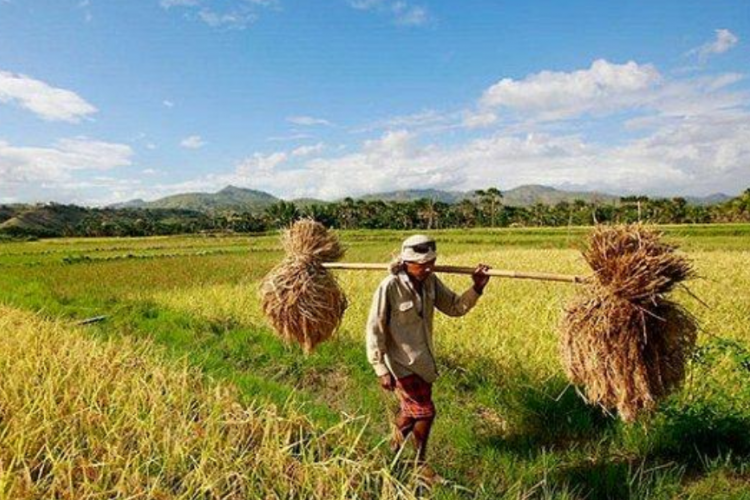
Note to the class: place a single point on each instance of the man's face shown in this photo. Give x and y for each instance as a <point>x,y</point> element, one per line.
<point>420,272</point>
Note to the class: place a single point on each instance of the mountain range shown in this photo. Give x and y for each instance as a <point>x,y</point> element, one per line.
<point>244,199</point>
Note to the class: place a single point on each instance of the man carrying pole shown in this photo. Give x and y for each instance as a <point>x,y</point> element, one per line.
<point>399,337</point>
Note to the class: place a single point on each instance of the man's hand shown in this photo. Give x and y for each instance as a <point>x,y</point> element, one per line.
<point>387,382</point>
<point>480,277</point>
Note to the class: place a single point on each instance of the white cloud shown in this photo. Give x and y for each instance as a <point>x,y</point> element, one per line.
<point>409,15</point>
<point>402,12</point>
<point>168,103</point>
<point>238,19</point>
<point>56,163</point>
<point>603,90</point>
<point>724,41</point>
<point>307,121</point>
<point>308,150</point>
<point>193,142</point>
<point>551,95</point>
<point>178,3</point>
<point>478,119</point>
<point>235,15</point>
<point>426,121</point>
<point>291,137</point>
<point>47,102</point>
<point>261,164</point>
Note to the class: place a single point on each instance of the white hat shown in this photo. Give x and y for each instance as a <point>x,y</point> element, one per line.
<point>418,248</point>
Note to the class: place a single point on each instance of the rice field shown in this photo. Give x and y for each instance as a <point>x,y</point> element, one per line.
<point>187,309</point>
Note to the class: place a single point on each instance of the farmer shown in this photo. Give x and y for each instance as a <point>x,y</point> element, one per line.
<point>399,336</point>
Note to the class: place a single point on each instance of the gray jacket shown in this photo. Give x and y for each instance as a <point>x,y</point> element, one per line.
<point>399,328</point>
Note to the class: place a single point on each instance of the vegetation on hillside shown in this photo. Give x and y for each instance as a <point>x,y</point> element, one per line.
<point>485,209</point>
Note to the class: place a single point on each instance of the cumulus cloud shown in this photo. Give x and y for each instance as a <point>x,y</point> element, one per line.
<point>601,90</point>
<point>19,164</point>
<point>723,41</point>
<point>48,102</point>
<point>690,156</point>
<point>193,142</point>
<point>307,120</point>
<point>551,95</point>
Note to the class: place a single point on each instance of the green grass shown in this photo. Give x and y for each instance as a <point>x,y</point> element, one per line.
<point>509,425</point>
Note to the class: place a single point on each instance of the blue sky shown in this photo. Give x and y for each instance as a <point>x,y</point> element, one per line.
<point>104,101</point>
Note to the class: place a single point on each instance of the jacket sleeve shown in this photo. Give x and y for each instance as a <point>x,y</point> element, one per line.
<point>377,329</point>
<point>451,303</point>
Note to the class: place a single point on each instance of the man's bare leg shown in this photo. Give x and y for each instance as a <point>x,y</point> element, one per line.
<point>404,427</point>
<point>421,433</point>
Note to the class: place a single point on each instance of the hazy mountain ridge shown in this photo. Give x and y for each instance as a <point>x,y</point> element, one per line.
<point>521,196</point>
<point>416,194</point>
<point>250,200</point>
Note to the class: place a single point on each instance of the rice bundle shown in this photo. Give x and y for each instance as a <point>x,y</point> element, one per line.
<point>621,338</point>
<point>302,301</point>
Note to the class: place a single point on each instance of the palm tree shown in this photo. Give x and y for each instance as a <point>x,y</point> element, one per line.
<point>467,212</point>
<point>282,213</point>
<point>427,212</point>
<point>491,200</point>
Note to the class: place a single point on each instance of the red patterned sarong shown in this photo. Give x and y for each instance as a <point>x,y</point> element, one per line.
<point>415,397</point>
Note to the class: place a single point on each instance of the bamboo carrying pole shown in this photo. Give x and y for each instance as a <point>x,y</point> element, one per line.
<point>567,278</point>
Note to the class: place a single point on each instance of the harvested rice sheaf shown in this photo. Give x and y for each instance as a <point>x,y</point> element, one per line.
<point>301,300</point>
<point>622,339</point>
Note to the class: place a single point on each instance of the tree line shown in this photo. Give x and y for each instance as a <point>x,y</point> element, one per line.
<point>485,209</point>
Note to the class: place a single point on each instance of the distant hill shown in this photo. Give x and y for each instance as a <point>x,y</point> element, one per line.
<point>229,198</point>
<point>250,200</point>
<point>9,211</point>
<point>521,196</point>
<point>527,195</point>
<point>711,199</point>
<point>44,220</point>
<point>524,196</point>
<point>306,202</point>
<point>417,194</point>
<point>53,220</point>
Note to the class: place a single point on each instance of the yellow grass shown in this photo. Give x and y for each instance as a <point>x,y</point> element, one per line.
<point>83,419</point>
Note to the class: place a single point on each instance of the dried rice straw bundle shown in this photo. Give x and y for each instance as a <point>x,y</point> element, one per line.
<point>302,301</point>
<point>621,338</point>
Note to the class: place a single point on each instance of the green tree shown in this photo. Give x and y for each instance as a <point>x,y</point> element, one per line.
<point>490,202</point>
<point>282,214</point>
